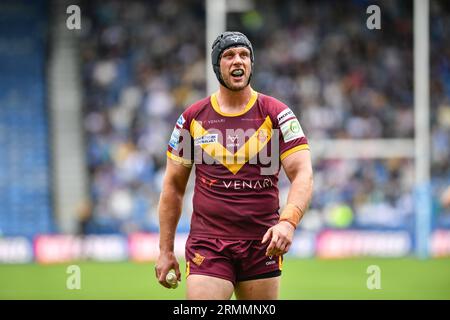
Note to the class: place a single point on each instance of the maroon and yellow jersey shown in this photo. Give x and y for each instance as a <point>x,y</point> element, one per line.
<point>237,160</point>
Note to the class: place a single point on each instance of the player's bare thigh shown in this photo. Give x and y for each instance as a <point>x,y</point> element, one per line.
<point>201,287</point>
<point>259,289</point>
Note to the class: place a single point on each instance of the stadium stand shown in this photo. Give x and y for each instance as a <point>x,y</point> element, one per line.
<point>24,150</point>
<point>144,63</point>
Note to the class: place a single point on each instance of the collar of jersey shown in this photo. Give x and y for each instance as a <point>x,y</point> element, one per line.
<point>250,104</point>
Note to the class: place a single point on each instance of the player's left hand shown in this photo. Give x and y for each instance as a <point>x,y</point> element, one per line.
<point>281,236</point>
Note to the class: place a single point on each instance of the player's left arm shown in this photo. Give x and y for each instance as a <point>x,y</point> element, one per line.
<point>299,171</point>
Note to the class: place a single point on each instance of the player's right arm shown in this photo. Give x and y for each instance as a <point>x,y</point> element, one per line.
<point>179,164</point>
<point>170,204</point>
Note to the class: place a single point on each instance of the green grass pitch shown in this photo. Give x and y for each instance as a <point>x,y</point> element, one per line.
<point>407,278</point>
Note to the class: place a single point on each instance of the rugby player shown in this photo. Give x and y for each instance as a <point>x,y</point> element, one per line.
<point>237,236</point>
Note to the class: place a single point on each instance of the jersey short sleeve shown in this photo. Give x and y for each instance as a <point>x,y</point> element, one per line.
<point>291,135</point>
<point>180,143</point>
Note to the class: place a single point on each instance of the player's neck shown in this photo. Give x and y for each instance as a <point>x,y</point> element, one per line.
<point>233,101</point>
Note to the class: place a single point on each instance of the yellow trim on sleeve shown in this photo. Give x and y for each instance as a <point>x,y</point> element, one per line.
<point>183,161</point>
<point>188,269</point>
<point>295,149</point>
<point>280,263</point>
<point>250,103</point>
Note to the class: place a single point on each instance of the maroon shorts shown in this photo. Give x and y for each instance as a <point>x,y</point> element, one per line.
<point>233,260</point>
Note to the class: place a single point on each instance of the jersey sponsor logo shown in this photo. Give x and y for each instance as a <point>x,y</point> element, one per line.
<point>291,130</point>
<point>208,182</point>
<point>198,259</point>
<point>206,139</point>
<point>175,139</point>
<point>284,115</point>
<point>249,184</point>
<point>181,121</point>
<point>215,121</point>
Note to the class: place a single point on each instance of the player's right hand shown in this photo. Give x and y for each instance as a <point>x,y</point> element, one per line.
<point>166,261</point>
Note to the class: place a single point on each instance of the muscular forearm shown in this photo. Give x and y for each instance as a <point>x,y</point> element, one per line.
<point>301,190</point>
<point>170,205</point>
<point>299,196</point>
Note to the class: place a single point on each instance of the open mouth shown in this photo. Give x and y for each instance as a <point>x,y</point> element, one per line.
<point>237,73</point>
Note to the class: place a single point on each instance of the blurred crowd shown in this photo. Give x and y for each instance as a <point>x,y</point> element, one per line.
<point>144,63</point>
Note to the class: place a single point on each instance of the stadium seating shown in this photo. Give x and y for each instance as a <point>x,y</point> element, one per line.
<point>24,143</point>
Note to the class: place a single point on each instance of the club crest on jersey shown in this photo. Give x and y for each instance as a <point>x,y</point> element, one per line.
<point>233,138</point>
<point>206,139</point>
<point>262,135</point>
<point>234,141</point>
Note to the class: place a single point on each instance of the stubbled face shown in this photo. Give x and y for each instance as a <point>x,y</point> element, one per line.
<point>235,67</point>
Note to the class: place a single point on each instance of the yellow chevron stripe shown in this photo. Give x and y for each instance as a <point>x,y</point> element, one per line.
<point>234,162</point>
